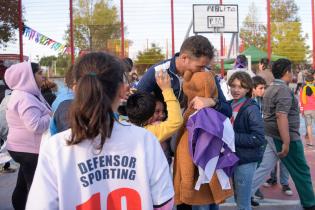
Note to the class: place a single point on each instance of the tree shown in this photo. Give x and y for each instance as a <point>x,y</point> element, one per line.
<point>61,63</point>
<point>286,31</point>
<point>8,20</point>
<point>253,32</point>
<point>47,60</point>
<point>94,24</point>
<point>148,57</point>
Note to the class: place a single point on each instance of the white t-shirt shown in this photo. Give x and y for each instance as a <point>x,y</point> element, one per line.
<point>130,171</point>
<point>232,71</point>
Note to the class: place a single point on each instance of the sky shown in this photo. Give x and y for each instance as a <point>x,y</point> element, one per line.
<point>147,21</point>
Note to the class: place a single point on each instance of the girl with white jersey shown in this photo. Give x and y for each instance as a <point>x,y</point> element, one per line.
<point>101,163</point>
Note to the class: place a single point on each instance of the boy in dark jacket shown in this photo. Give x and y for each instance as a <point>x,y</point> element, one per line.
<point>249,136</point>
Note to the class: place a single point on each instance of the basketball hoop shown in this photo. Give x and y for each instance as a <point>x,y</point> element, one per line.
<point>215,18</point>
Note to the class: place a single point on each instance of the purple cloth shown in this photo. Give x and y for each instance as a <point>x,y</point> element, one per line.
<point>205,133</point>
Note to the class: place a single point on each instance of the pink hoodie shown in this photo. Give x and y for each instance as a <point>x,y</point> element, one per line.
<point>28,114</point>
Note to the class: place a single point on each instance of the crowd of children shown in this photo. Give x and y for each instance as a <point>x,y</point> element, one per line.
<point>177,121</point>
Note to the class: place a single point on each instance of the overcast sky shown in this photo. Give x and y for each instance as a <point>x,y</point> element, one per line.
<point>147,21</point>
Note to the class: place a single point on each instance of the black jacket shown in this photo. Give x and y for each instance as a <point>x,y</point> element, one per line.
<point>249,133</point>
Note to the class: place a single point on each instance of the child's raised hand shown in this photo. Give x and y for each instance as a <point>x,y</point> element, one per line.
<point>163,80</point>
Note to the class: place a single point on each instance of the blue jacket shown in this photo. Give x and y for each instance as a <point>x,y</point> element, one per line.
<point>249,133</point>
<point>148,84</point>
<point>63,94</point>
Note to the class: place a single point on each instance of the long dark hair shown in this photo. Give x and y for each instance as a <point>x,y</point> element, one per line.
<point>97,76</point>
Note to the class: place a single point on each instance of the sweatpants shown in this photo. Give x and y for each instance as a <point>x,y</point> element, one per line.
<point>295,163</point>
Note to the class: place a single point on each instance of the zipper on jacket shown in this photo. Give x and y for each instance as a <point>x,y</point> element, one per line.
<point>180,84</point>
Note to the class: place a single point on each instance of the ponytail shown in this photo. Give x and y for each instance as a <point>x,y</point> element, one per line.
<point>91,114</point>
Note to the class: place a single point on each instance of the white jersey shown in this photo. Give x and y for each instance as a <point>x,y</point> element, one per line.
<point>130,172</point>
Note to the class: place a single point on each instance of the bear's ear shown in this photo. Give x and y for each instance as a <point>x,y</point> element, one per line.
<point>187,76</point>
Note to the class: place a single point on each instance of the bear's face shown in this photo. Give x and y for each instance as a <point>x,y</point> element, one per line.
<point>200,84</point>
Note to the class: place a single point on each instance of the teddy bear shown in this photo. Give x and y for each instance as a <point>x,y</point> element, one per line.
<point>185,172</point>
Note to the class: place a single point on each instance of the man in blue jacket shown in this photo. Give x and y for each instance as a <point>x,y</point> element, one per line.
<point>196,54</point>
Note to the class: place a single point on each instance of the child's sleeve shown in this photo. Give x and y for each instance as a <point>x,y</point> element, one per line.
<point>174,121</point>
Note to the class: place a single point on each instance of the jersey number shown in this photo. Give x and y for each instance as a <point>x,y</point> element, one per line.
<point>120,199</point>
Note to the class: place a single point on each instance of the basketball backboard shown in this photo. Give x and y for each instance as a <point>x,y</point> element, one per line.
<point>215,18</point>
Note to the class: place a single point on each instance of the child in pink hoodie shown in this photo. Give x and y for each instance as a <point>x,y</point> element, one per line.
<point>28,116</point>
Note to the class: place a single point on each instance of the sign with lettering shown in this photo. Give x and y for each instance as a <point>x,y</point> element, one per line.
<point>215,18</point>
<point>215,21</point>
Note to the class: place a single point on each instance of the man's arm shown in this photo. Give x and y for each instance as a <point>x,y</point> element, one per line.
<point>283,126</point>
<point>283,106</point>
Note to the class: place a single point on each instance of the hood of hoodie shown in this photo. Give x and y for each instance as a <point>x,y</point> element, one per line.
<point>20,77</point>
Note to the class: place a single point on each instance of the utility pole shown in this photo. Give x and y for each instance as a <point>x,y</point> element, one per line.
<point>222,50</point>
<point>172,25</point>
<point>20,30</point>
<point>122,28</point>
<point>268,30</point>
<point>71,32</point>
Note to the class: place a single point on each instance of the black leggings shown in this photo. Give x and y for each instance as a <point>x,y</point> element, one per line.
<point>28,163</point>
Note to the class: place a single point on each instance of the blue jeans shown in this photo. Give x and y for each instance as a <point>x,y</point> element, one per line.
<point>243,178</point>
<point>206,207</point>
<point>284,174</point>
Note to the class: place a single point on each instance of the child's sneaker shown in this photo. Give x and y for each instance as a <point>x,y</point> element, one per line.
<point>259,195</point>
<point>270,182</point>
<point>253,202</point>
<point>287,190</point>
<point>7,170</point>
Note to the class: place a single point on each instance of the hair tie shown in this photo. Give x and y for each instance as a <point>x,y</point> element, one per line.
<point>92,73</point>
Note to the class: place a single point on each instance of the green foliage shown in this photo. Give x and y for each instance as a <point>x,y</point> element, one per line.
<point>94,24</point>
<point>148,57</point>
<point>8,20</point>
<point>58,64</point>
<point>253,32</point>
<point>286,30</point>
<point>47,60</point>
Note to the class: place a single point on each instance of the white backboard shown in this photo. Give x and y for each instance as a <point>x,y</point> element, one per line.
<point>215,18</point>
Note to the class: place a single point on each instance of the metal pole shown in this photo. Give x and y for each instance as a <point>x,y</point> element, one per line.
<point>71,32</point>
<point>172,25</point>
<point>20,29</point>
<point>313,32</point>
<point>268,30</point>
<point>189,28</point>
<point>166,49</point>
<point>222,50</point>
<point>231,45</point>
<point>122,53</point>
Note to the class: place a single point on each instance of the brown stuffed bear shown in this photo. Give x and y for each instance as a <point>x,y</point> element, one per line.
<point>185,172</point>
